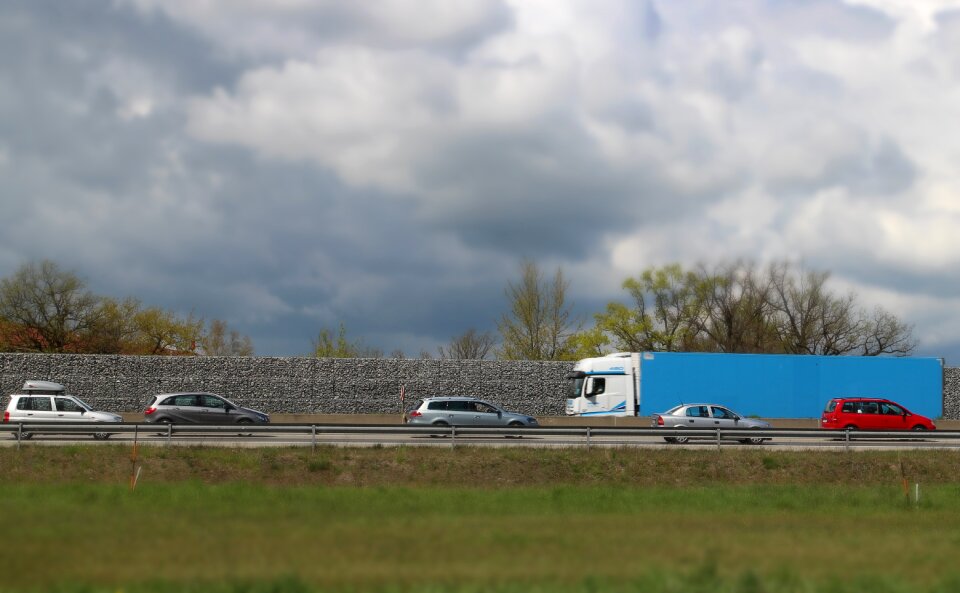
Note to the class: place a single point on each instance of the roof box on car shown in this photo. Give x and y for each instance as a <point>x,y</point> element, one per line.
<point>42,387</point>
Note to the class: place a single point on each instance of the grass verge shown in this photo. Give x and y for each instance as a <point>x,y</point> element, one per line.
<point>421,520</point>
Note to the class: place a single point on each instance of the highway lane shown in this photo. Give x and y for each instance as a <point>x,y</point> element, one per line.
<point>541,439</point>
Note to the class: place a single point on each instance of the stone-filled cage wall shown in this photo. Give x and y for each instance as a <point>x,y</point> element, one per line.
<point>292,385</point>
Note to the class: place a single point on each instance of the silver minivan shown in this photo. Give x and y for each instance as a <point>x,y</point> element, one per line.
<point>46,402</point>
<point>464,411</point>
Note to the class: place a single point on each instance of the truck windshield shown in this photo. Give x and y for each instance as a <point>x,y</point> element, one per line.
<point>575,388</point>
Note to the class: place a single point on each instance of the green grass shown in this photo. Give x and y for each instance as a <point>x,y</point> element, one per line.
<point>423,521</point>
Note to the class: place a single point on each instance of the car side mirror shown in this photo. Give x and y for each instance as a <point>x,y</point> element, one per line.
<point>228,409</point>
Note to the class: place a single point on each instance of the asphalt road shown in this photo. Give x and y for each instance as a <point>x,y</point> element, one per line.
<point>541,439</point>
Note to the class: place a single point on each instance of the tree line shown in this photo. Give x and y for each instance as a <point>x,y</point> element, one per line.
<point>44,308</point>
<point>732,307</point>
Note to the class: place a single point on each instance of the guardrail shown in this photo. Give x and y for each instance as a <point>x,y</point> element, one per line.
<point>586,436</point>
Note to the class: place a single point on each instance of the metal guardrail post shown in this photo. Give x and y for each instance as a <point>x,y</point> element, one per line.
<point>718,439</point>
<point>453,436</point>
<point>169,433</point>
<point>19,434</point>
<point>313,437</point>
<point>847,438</point>
<point>588,437</point>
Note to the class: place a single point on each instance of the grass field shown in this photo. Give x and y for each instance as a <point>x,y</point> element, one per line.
<point>425,520</point>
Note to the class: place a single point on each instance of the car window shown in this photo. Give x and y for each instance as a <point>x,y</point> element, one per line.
<point>211,401</point>
<point>850,407</point>
<point>67,405</point>
<point>724,413</point>
<point>437,405</point>
<point>36,404</point>
<point>486,408</point>
<point>870,407</point>
<point>891,409</point>
<point>461,406</point>
<point>186,400</point>
<point>698,412</point>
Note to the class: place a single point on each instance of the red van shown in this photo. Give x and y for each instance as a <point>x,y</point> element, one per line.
<point>871,413</point>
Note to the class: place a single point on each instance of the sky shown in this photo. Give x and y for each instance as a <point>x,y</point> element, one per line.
<point>290,165</point>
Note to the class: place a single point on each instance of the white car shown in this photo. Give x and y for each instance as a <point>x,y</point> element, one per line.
<point>45,402</point>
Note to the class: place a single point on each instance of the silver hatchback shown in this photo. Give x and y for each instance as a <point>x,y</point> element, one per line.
<point>199,408</point>
<point>707,416</point>
<point>464,411</point>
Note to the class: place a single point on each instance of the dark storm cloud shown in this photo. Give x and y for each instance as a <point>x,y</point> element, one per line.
<point>290,167</point>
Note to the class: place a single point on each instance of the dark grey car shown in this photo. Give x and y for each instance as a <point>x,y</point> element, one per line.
<point>199,408</point>
<point>464,411</point>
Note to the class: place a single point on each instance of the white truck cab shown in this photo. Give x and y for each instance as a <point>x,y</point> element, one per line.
<point>604,386</point>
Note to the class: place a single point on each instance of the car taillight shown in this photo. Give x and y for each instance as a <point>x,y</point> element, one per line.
<point>6,416</point>
<point>150,410</point>
<point>416,414</point>
<point>659,420</point>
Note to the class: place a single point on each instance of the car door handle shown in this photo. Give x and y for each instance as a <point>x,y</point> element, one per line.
<point>690,421</point>
<point>716,422</point>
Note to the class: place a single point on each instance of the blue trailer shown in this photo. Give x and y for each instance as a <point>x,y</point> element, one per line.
<point>768,385</point>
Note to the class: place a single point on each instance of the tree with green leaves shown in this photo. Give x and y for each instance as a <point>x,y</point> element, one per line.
<point>734,307</point>
<point>539,325</point>
<point>329,346</point>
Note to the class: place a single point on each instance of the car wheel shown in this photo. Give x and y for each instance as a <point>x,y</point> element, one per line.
<point>753,441</point>
<point>101,436</point>
<point>439,424</point>
<point>681,440</point>
<point>23,435</point>
<point>850,427</point>
<point>919,428</point>
<point>670,439</point>
<point>515,424</point>
<point>164,423</point>
<point>245,422</point>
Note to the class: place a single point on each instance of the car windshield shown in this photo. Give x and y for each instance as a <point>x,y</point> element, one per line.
<point>82,403</point>
<point>831,406</point>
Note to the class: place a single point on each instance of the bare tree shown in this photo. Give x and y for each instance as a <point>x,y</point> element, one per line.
<point>539,325</point>
<point>735,309</point>
<point>470,345</point>
<point>220,340</point>
<point>47,309</point>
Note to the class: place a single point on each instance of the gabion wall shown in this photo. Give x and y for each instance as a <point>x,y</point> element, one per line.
<point>293,385</point>
<point>315,386</point>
